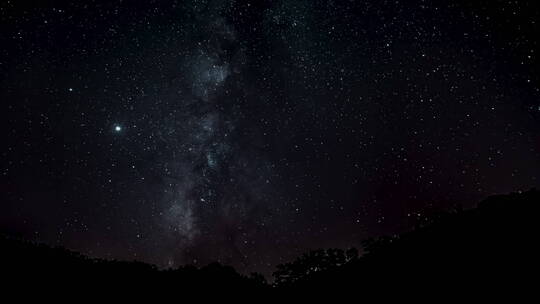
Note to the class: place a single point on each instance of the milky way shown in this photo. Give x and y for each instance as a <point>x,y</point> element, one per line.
<point>247,132</point>
<point>208,180</point>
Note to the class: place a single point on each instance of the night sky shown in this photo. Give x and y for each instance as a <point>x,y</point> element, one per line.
<point>248,132</point>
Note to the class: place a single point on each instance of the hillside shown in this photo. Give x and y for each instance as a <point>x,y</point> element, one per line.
<point>493,247</point>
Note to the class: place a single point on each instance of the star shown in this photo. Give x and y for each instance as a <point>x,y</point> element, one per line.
<point>117,128</point>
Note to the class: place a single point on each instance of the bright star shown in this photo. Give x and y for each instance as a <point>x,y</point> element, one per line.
<point>117,128</point>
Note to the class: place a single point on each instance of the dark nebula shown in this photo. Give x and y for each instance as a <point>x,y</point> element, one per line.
<point>247,132</point>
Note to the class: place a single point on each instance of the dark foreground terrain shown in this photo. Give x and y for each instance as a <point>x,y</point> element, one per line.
<point>487,250</point>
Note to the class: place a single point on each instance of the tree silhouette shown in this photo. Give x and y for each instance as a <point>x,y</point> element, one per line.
<point>312,262</point>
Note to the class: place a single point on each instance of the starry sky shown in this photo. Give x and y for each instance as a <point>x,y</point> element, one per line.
<point>248,132</point>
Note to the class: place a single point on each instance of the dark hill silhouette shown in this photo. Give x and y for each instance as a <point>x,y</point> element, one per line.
<point>31,266</point>
<point>491,248</point>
